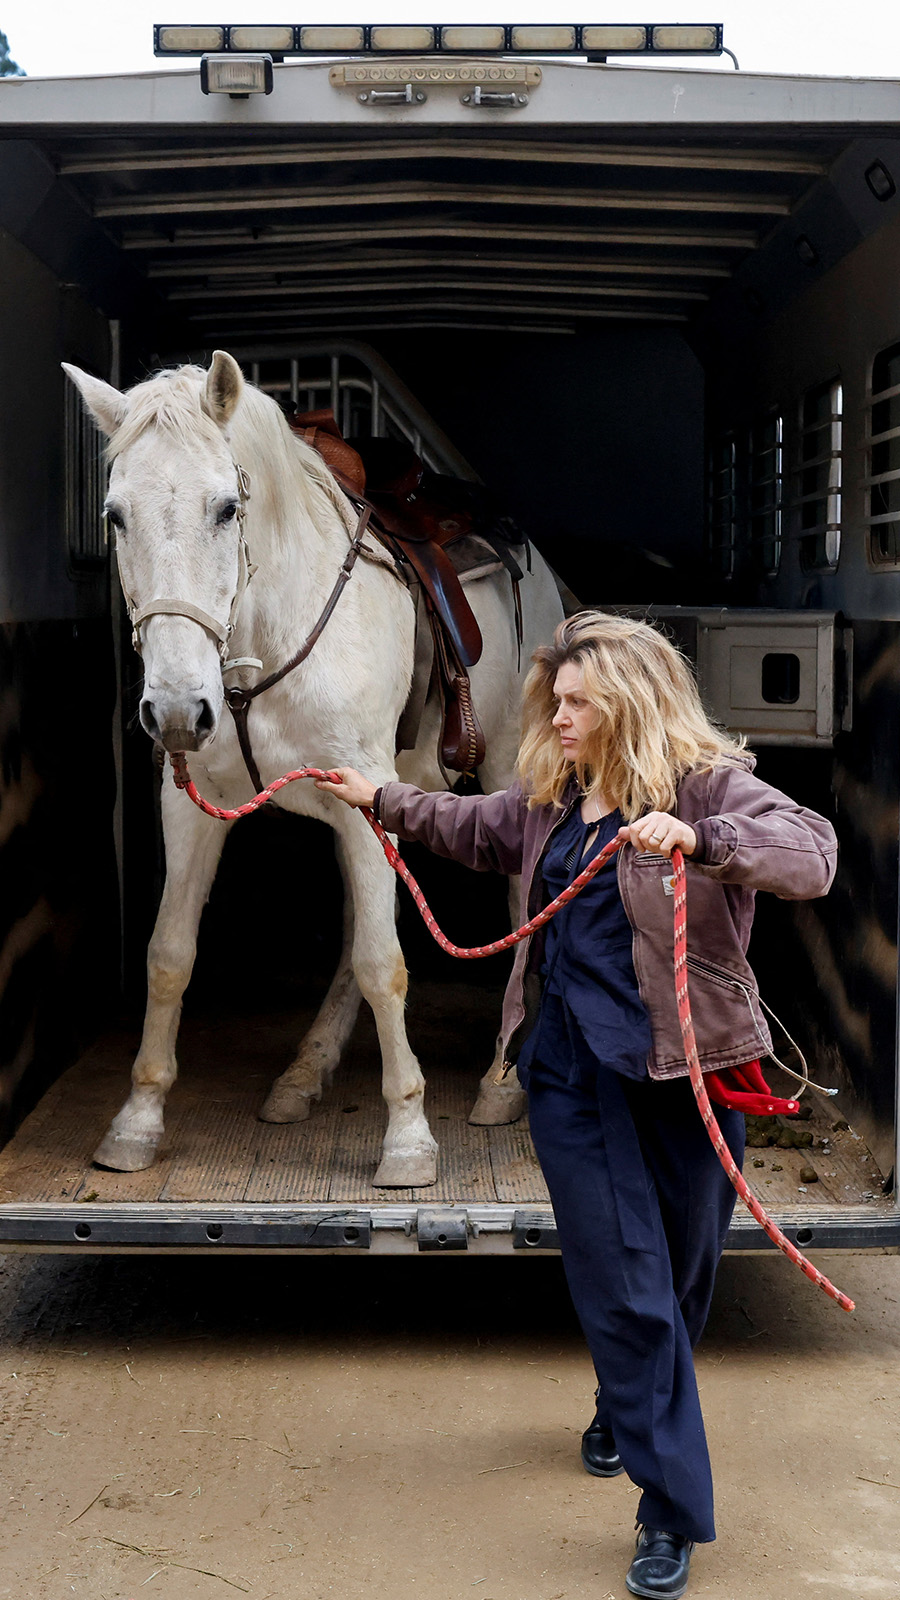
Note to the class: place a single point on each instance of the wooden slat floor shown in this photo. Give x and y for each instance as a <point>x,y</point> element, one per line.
<point>216,1149</point>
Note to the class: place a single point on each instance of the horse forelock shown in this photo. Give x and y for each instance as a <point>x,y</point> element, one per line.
<point>169,402</point>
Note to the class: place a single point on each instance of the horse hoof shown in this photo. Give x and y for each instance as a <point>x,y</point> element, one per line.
<point>286,1103</point>
<point>496,1105</point>
<point>406,1169</point>
<point>122,1154</point>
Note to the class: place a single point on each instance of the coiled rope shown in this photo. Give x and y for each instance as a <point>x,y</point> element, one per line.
<point>184,781</point>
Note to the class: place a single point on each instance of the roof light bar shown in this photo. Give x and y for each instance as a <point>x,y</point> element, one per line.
<point>547,39</point>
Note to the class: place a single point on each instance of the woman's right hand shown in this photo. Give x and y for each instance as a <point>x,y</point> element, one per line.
<point>353,788</point>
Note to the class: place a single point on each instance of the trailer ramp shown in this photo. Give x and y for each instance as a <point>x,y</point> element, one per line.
<point>226,1181</point>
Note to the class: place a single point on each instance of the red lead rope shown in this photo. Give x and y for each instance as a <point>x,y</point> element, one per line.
<point>184,781</point>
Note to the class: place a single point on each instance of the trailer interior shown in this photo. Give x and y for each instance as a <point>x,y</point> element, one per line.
<point>656,311</point>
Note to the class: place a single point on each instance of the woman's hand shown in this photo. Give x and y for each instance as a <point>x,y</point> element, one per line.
<point>353,787</point>
<point>660,834</point>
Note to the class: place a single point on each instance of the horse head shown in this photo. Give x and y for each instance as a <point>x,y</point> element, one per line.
<point>175,502</point>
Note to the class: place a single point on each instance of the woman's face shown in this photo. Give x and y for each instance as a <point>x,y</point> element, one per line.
<point>575,717</point>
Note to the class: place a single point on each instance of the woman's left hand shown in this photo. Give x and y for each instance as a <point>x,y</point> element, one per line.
<point>660,834</point>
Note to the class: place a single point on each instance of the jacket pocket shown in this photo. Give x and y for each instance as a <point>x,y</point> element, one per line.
<point>708,969</point>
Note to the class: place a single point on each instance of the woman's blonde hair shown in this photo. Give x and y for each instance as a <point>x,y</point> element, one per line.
<point>651,727</point>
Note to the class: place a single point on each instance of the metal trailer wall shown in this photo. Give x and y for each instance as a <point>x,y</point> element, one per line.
<point>58,911</point>
<point>837,958</point>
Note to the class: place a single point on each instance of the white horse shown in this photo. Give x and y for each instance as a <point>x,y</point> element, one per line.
<point>181,444</point>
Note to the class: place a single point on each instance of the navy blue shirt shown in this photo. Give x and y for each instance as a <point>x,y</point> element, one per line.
<point>590,988</point>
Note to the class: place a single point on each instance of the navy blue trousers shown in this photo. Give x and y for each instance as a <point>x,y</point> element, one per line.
<point>642,1208</point>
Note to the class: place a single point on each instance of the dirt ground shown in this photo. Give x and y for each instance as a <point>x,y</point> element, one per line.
<point>405,1428</point>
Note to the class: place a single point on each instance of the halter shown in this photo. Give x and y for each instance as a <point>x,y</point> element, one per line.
<point>221,631</point>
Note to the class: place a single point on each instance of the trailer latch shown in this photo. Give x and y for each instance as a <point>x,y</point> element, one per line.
<point>407,96</point>
<point>491,97</point>
<point>444,1229</point>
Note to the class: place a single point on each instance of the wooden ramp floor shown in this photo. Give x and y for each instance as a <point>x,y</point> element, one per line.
<point>216,1149</point>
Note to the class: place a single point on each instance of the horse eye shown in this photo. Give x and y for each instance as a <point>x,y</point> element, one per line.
<point>227,514</point>
<point>114,519</point>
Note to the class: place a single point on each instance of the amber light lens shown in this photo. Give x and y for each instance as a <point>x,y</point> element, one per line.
<point>617,41</point>
<point>536,39</point>
<point>188,41</point>
<point>277,39</point>
<point>400,40</point>
<point>473,39</point>
<point>327,41</point>
<point>700,38</point>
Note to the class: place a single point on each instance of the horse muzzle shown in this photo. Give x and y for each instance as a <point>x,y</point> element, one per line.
<point>188,724</point>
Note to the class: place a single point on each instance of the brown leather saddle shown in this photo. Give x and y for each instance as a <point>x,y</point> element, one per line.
<point>416,515</point>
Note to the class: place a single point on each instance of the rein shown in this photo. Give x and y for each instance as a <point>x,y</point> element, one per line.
<point>184,781</point>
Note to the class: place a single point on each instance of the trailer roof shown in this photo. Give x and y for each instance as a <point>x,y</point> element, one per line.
<point>626,193</point>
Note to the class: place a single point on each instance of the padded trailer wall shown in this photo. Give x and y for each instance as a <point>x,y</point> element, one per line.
<point>58,902</point>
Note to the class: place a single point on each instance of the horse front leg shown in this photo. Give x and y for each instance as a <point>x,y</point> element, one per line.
<point>193,845</point>
<point>505,1100</point>
<point>409,1153</point>
<point>292,1095</point>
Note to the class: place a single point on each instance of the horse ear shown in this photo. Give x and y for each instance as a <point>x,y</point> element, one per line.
<point>106,405</point>
<point>223,387</point>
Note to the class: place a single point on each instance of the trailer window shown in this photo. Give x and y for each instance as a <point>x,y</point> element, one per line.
<point>884,460</point>
<point>722,504</point>
<point>85,486</point>
<point>818,477</point>
<point>766,492</point>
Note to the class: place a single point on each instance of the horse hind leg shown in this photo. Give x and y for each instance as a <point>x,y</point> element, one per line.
<point>193,846</point>
<point>292,1095</point>
<point>500,1099</point>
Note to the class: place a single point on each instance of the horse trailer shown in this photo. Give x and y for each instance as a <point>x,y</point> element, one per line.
<point>657,313</point>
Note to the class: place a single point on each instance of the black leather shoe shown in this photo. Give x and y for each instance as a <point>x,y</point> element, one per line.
<point>599,1455</point>
<point>661,1565</point>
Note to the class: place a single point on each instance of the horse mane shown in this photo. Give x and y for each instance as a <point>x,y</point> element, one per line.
<point>286,470</point>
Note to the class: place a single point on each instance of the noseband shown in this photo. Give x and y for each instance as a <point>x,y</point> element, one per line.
<point>221,631</point>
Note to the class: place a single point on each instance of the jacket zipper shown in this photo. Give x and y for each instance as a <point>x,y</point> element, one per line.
<point>508,1061</point>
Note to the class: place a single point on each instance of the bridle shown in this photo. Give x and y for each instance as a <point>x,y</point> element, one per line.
<point>166,606</point>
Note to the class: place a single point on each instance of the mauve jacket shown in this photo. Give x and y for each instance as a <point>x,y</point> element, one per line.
<point>749,837</point>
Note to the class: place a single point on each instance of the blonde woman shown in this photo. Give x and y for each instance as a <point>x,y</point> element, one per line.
<point>616,743</point>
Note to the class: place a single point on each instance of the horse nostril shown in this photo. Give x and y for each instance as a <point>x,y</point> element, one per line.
<point>206,721</point>
<point>148,720</point>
